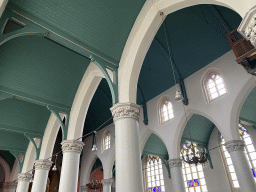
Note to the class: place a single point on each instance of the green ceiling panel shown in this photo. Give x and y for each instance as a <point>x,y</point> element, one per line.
<point>23,116</point>
<point>9,158</point>
<point>42,70</point>
<point>248,111</point>
<point>199,129</point>
<point>197,38</point>
<point>155,146</point>
<point>103,25</point>
<point>13,141</point>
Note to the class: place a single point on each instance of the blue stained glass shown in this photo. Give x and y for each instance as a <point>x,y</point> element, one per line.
<point>190,183</point>
<point>158,189</point>
<point>154,189</point>
<point>196,182</point>
<point>253,172</point>
<point>185,146</point>
<point>149,189</point>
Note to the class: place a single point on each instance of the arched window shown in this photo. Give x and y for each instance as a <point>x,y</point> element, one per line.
<point>214,85</point>
<point>165,110</point>
<point>250,154</point>
<point>154,173</point>
<point>193,174</point>
<point>106,141</point>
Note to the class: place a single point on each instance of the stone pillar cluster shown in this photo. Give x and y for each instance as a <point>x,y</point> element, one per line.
<point>176,175</point>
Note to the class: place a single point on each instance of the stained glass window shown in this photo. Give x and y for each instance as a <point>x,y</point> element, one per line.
<point>250,154</point>
<point>106,141</point>
<point>214,85</point>
<point>166,110</point>
<point>193,175</point>
<point>154,172</point>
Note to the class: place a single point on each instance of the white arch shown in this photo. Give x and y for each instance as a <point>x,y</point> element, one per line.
<point>50,135</point>
<point>7,169</point>
<point>85,92</point>
<point>145,28</point>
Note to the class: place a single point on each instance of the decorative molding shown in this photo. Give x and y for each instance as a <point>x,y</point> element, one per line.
<point>84,188</point>
<point>72,146</point>
<point>235,145</point>
<point>175,163</point>
<point>8,185</point>
<point>24,177</point>
<point>248,26</point>
<point>42,164</point>
<point>107,181</point>
<point>125,110</point>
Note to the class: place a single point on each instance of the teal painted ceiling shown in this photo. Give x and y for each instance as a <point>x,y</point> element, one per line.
<point>155,146</point>
<point>102,25</point>
<point>197,37</point>
<point>8,157</point>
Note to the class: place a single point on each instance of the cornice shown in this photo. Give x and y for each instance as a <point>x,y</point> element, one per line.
<point>125,110</point>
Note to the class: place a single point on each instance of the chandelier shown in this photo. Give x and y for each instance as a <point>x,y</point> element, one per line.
<point>96,185</point>
<point>191,155</point>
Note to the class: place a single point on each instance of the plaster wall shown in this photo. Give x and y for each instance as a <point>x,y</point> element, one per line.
<point>223,112</point>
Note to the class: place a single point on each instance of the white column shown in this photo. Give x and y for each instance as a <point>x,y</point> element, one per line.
<point>42,168</point>
<point>23,182</point>
<point>84,188</point>
<point>241,165</point>
<point>70,165</point>
<point>128,162</point>
<point>107,184</point>
<point>176,175</point>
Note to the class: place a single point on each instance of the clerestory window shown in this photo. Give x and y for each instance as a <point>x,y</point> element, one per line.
<point>106,141</point>
<point>165,110</point>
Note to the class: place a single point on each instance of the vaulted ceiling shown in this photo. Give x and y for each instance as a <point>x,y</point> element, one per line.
<point>41,71</point>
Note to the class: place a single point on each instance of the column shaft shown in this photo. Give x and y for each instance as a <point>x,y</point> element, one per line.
<point>42,168</point>
<point>23,182</point>
<point>241,165</point>
<point>107,185</point>
<point>70,165</point>
<point>176,175</point>
<point>128,162</point>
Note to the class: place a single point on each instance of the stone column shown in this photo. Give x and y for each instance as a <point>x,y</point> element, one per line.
<point>107,184</point>
<point>70,165</point>
<point>176,175</point>
<point>84,188</point>
<point>42,168</point>
<point>241,165</point>
<point>127,150</point>
<point>248,26</point>
<point>23,182</point>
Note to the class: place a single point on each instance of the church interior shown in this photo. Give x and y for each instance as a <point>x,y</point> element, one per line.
<point>128,96</point>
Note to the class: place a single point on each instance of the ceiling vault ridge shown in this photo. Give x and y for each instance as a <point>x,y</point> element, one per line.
<point>73,44</point>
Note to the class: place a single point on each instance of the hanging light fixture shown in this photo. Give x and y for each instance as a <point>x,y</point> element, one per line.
<point>55,164</point>
<point>94,148</point>
<point>190,152</point>
<point>178,96</point>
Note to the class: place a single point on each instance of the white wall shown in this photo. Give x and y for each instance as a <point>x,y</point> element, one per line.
<point>223,112</point>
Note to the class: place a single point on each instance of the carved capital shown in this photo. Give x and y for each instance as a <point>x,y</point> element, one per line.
<point>248,26</point>
<point>125,110</point>
<point>84,188</point>
<point>43,164</point>
<point>72,146</point>
<point>175,163</point>
<point>24,177</point>
<point>235,145</point>
<point>107,182</point>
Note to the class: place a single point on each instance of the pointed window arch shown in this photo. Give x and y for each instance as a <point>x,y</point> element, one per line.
<point>106,140</point>
<point>165,110</point>
<point>250,154</point>
<point>214,85</point>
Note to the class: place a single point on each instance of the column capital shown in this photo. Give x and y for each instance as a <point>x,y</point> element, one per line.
<point>43,164</point>
<point>72,146</point>
<point>24,177</point>
<point>235,145</point>
<point>84,188</point>
<point>8,185</point>
<point>107,181</point>
<point>125,110</point>
<point>248,26</point>
<point>175,163</point>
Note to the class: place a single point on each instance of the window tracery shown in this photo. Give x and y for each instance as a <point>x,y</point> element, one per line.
<point>106,141</point>
<point>166,110</point>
